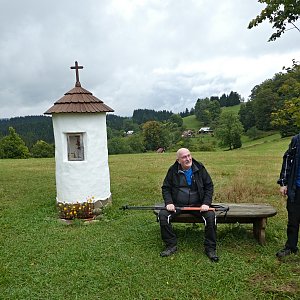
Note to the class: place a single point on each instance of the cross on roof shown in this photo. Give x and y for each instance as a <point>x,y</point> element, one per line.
<point>76,67</point>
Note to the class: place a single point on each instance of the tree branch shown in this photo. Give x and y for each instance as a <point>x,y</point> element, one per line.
<point>295,26</point>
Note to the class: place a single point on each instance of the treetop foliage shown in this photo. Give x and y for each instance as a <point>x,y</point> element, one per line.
<point>280,13</point>
<point>274,104</point>
<point>141,116</point>
<point>208,110</point>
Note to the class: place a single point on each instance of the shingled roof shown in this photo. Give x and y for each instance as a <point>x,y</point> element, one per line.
<point>78,100</point>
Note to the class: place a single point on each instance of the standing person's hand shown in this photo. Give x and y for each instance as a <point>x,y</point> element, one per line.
<point>283,190</point>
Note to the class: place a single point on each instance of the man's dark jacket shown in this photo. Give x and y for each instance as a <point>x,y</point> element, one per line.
<point>173,183</point>
<point>289,169</point>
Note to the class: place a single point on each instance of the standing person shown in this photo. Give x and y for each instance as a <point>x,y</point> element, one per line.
<point>187,183</point>
<point>289,182</point>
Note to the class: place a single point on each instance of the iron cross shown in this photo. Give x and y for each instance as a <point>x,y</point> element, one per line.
<point>76,67</point>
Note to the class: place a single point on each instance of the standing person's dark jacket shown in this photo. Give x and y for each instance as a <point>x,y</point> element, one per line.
<point>172,185</point>
<point>290,186</point>
<point>289,168</point>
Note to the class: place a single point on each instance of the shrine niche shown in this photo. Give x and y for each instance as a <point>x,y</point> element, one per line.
<point>75,146</point>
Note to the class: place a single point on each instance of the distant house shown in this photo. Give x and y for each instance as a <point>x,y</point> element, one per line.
<point>204,130</point>
<point>129,132</point>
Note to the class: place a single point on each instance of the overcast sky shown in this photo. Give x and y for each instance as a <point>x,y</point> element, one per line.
<point>136,53</point>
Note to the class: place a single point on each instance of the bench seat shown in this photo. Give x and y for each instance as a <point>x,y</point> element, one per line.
<point>243,213</point>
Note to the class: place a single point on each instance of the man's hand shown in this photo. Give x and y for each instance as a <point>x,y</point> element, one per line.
<point>171,207</point>
<point>283,190</point>
<point>204,207</point>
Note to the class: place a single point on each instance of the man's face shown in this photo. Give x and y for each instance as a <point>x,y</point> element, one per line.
<point>185,159</point>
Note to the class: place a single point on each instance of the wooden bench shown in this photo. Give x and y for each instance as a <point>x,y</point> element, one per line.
<point>243,213</point>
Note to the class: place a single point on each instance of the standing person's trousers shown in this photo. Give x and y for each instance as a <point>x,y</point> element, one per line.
<point>293,209</point>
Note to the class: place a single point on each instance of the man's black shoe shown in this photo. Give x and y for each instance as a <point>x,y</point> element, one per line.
<point>285,252</point>
<point>169,251</point>
<point>212,255</point>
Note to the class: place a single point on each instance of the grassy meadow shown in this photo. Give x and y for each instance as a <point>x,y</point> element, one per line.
<point>190,122</point>
<point>118,257</point>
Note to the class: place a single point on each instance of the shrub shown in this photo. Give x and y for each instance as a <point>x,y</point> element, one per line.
<point>119,145</point>
<point>42,149</point>
<point>12,146</point>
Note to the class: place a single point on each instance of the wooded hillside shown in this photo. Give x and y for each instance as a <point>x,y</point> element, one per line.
<point>30,128</point>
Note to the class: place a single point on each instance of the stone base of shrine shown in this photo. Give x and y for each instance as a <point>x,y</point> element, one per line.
<point>103,203</point>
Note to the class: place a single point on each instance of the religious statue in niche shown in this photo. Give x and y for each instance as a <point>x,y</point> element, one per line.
<point>75,146</point>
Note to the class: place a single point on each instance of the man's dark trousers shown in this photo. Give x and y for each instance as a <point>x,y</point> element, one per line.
<point>169,237</point>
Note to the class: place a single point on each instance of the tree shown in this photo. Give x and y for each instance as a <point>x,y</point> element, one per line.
<point>12,146</point>
<point>176,119</point>
<point>155,135</point>
<point>280,13</point>
<point>185,113</point>
<point>213,98</point>
<point>214,110</point>
<point>115,122</point>
<point>246,115</point>
<point>233,99</point>
<point>263,107</point>
<point>284,111</point>
<point>223,100</point>
<point>207,111</point>
<point>229,131</point>
<point>141,116</point>
<point>128,124</point>
<point>136,142</point>
<point>287,119</point>
<point>202,112</point>
<point>265,100</point>
<point>42,149</point>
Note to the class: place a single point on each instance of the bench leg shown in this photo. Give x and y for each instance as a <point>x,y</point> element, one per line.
<point>259,230</point>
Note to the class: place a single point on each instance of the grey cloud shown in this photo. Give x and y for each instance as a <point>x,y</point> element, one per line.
<point>122,47</point>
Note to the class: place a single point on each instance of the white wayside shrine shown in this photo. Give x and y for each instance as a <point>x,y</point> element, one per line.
<point>81,156</point>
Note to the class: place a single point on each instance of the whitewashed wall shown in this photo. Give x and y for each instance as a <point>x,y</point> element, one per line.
<point>78,181</point>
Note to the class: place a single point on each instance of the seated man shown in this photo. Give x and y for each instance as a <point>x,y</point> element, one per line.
<point>187,183</point>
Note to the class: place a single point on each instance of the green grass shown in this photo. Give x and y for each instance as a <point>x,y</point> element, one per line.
<point>235,109</point>
<point>271,137</point>
<point>118,258</point>
<point>190,122</point>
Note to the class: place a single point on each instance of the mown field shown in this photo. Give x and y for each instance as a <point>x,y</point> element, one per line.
<point>118,257</point>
